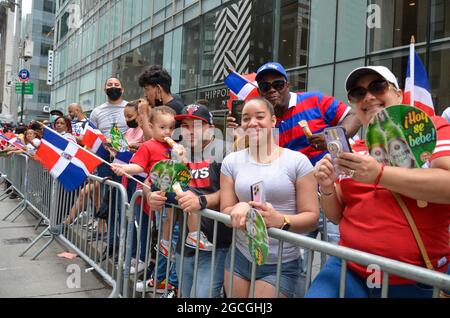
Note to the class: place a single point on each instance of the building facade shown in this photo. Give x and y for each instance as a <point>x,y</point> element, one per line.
<point>318,41</point>
<point>38,27</point>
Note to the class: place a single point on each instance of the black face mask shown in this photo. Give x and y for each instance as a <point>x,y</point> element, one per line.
<point>114,93</point>
<point>132,123</point>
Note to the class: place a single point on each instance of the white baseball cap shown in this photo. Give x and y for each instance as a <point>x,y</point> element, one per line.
<point>361,71</point>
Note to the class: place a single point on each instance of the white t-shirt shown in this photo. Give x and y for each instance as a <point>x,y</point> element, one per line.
<point>279,179</point>
<point>106,115</point>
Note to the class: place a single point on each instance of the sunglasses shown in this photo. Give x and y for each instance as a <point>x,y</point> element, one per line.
<point>278,85</point>
<point>377,87</point>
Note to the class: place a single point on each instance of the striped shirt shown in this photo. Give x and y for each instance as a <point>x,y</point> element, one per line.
<point>104,116</point>
<point>320,111</point>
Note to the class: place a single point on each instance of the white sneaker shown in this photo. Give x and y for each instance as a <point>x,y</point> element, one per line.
<point>203,245</point>
<point>140,267</point>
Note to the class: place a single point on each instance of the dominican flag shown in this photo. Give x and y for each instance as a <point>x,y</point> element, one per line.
<point>66,161</point>
<point>417,87</point>
<point>15,141</point>
<point>124,158</point>
<point>93,139</point>
<point>242,87</point>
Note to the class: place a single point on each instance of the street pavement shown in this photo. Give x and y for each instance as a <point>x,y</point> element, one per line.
<point>49,276</point>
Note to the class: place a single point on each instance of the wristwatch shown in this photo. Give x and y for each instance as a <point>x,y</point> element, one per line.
<point>287,223</point>
<point>203,202</point>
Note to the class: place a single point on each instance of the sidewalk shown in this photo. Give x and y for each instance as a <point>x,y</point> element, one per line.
<point>45,277</point>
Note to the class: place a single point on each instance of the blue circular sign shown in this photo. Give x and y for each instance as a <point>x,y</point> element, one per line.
<point>24,75</point>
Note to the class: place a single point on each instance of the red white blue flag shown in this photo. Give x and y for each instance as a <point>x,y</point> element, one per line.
<point>15,141</point>
<point>93,139</point>
<point>242,87</point>
<point>66,161</point>
<point>417,87</point>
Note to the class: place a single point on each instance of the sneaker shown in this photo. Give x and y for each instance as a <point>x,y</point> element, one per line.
<point>164,247</point>
<point>171,293</point>
<point>160,288</point>
<point>140,267</point>
<point>204,244</point>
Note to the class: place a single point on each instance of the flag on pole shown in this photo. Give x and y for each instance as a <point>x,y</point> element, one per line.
<point>66,161</point>
<point>93,139</point>
<point>124,158</point>
<point>417,87</point>
<point>242,87</point>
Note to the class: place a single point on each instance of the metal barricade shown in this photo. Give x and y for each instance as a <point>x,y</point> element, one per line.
<point>16,172</point>
<point>387,266</point>
<point>73,222</point>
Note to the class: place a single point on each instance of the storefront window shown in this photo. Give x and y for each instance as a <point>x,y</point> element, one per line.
<point>294,27</point>
<point>439,79</point>
<point>440,19</point>
<point>190,55</point>
<point>323,32</point>
<point>400,19</point>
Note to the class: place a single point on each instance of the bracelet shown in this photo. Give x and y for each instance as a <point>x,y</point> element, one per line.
<point>325,194</point>
<point>380,174</point>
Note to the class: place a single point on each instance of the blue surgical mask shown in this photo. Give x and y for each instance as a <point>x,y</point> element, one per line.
<point>53,118</point>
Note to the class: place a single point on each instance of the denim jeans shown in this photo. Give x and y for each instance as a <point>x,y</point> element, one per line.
<point>327,284</point>
<point>162,261</point>
<point>333,238</point>
<point>203,274</point>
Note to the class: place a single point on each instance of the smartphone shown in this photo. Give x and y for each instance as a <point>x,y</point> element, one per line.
<point>337,141</point>
<point>236,110</point>
<point>258,192</point>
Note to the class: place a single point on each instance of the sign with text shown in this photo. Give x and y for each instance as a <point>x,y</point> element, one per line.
<point>28,88</point>
<point>402,136</point>
<point>50,68</point>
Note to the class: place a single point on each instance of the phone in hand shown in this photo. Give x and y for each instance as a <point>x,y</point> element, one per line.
<point>337,142</point>
<point>258,193</point>
<point>236,110</point>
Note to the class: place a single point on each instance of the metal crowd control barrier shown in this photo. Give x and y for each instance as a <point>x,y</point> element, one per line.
<point>16,169</point>
<point>437,280</point>
<point>72,222</point>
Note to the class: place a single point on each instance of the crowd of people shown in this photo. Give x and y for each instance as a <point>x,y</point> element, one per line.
<point>302,187</point>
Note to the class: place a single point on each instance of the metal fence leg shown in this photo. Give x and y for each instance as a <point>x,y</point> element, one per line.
<point>35,256</point>
<point>14,210</point>
<point>20,213</point>
<point>34,242</point>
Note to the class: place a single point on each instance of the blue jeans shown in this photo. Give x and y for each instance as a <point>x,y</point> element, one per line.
<point>162,261</point>
<point>333,238</point>
<point>266,273</point>
<point>203,274</point>
<point>143,235</point>
<point>327,282</point>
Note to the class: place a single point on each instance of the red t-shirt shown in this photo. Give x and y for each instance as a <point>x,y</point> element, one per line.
<point>150,153</point>
<point>373,221</point>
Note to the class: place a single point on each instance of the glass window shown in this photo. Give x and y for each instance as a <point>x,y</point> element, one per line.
<point>439,79</point>
<point>440,19</point>
<point>322,37</point>
<point>321,79</point>
<point>400,19</point>
<point>351,32</point>
<point>297,80</point>
<point>341,74</point>
<point>157,51</point>
<point>294,26</point>
<point>191,53</point>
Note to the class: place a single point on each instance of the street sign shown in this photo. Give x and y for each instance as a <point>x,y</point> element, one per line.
<point>24,75</point>
<point>29,88</point>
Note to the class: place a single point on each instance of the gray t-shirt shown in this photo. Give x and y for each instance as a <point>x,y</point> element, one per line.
<point>104,116</point>
<point>279,179</point>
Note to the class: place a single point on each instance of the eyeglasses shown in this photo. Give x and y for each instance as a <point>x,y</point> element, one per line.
<point>278,85</point>
<point>377,87</point>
